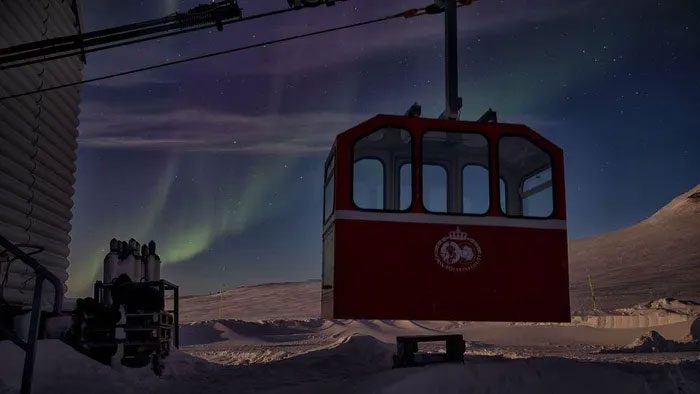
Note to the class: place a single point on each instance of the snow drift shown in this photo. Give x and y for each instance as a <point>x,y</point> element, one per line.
<point>356,364</point>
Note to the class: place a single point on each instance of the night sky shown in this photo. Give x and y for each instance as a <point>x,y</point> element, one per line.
<point>220,161</point>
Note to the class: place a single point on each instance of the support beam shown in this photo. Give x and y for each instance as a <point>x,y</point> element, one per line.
<point>453,103</point>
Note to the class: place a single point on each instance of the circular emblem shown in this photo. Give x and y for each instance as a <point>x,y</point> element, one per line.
<point>457,252</point>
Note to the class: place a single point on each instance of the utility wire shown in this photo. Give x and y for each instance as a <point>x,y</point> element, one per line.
<point>222,12</point>
<point>102,40</point>
<point>407,14</point>
<point>205,56</point>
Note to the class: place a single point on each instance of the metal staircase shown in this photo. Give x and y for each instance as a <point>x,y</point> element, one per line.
<point>41,274</point>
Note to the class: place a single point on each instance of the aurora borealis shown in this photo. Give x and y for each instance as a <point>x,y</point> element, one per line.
<point>220,161</point>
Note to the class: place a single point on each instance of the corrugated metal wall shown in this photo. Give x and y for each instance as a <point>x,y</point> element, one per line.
<point>37,145</point>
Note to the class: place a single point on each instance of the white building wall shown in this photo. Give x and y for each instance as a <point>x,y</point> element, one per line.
<point>38,145</point>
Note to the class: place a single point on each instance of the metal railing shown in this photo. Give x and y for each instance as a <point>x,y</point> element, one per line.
<point>29,345</point>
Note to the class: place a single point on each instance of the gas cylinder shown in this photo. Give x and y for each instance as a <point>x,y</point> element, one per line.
<point>143,263</point>
<point>123,250</point>
<point>128,263</point>
<point>118,267</point>
<point>136,269</point>
<point>152,263</point>
<point>111,261</point>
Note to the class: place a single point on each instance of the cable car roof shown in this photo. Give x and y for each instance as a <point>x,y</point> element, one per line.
<point>413,123</point>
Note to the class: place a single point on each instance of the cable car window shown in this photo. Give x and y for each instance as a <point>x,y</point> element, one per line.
<point>526,171</point>
<point>379,180</point>
<point>475,189</point>
<point>463,159</point>
<point>434,188</point>
<point>330,167</point>
<point>537,194</point>
<point>329,190</point>
<point>329,198</point>
<point>368,184</point>
<point>405,180</point>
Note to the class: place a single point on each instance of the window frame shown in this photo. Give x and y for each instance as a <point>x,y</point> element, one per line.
<point>461,171</point>
<point>531,173</point>
<point>384,167</point>
<point>409,163</point>
<point>505,192</point>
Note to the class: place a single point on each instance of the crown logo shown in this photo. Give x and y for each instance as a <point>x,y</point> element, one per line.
<point>458,235</point>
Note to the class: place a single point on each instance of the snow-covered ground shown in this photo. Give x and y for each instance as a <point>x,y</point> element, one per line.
<point>270,338</point>
<point>312,355</point>
<point>310,362</point>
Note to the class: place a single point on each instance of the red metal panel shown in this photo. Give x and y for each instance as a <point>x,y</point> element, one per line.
<point>388,270</point>
<point>494,209</point>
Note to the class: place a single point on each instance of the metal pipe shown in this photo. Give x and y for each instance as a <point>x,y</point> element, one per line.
<point>176,305</point>
<point>452,100</point>
<point>32,337</point>
<point>40,271</point>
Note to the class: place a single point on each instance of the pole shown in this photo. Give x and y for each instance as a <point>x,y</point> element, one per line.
<point>32,337</point>
<point>590,286</point>
<point>453,103</point>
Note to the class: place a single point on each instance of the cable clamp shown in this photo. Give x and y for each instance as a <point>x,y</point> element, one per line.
<point>299,4</point>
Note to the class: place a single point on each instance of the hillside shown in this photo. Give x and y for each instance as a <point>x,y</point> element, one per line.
<point>291,300</point>
<point>658,257</point>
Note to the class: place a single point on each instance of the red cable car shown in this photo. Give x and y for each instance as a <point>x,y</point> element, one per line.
<point>433,219</point>
<point>442,219</point>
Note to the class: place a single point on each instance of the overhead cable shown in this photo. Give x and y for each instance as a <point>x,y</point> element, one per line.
<point>406,14</point>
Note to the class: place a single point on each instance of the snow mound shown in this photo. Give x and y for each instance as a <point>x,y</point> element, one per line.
<point>669,305</point>
<point>695,330</point>
<point>268,332</point>
<point>650,343</point>
<point>660,312</point>
<point>653,342</point>
<point>224,356</point>
<point>250,332</point>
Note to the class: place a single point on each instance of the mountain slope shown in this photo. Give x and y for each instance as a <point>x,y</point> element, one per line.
<point>291,300</point>
<point>658,257</point>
